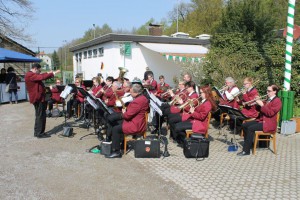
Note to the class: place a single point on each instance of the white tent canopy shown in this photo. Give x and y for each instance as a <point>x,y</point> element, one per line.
<point>177,49</point>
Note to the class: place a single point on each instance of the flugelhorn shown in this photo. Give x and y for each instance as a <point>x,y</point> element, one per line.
<point>190,102</point>
<point>177,98</point>
<point>255,99</point>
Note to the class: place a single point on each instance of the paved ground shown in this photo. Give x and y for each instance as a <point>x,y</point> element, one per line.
<point>60,168</point>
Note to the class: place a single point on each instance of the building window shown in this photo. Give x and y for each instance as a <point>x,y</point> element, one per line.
<point>84,54</point>
<point>94,53</point>
<point>101,52</point>
<point>90,53</point>
<point>76,57</point>
<point>79,56</point>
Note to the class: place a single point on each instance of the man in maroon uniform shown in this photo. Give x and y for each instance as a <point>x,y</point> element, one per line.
<point>36,92</point>
<point>133,119</point>
<point>266,121</point>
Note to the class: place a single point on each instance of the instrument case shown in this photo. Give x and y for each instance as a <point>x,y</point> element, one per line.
<point>147,148</point>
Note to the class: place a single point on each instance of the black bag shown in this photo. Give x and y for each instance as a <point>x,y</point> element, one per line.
<point>67,131</point>
<point>196,148</point>
<point>147,148</point>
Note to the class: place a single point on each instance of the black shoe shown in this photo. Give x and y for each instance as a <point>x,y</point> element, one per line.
<point>154,131</point>
<point>114,155</point>
<point>243,153</point>
<point>43,136</point>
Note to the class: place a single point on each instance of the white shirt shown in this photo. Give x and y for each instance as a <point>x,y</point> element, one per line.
<point>230,95</point>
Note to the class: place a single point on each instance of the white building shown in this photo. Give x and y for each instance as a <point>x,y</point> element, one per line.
<point>106,54</point>
<point>45,58</point>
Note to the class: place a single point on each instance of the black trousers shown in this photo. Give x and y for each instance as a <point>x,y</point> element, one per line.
<point>174,119</point>
<point>237,123</point>
<point>40,118</point>
<point>50,104</point>
<point>249,129</point>
<point>179,131</point>
<point>113,119</point>
<point>117,135</point>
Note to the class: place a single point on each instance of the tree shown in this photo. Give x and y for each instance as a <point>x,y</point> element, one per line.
<point>14,16</point>
<point>55,60</point>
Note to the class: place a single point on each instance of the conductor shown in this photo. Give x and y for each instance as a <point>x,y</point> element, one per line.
<point>36,92</point>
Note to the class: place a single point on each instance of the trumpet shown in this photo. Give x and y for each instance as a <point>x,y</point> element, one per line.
<point>244,90</point>
<point>255,99</point>
<point>223,88</point>
<point>177,98</point>
<point>168,91</point>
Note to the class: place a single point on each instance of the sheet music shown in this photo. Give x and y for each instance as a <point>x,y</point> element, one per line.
<point>154,98</point>
<point>155,107</point>
<point>66,91</point>
<point>109,110</point>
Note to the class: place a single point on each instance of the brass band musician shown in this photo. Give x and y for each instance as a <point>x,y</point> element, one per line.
<point>197,117</point>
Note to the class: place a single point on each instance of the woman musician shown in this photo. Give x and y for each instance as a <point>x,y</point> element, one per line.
<point>55,98</point>
<point>78,99</point>
<point>197,117</point>
<point>96,89</point>
<point>176,115</point>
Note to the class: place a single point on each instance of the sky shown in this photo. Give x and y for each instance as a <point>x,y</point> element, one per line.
<point>57,21</point>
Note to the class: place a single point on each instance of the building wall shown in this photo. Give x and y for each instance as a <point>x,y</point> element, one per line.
<point>140,58</point>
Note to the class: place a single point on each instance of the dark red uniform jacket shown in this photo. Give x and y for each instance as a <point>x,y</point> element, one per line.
<point>80,96</point>
<point>56,94</point>
<point>134,118</point>
<point>250,111</point>
<point>35,86</point>
<point>96,91</point>
<point>199,118</point>
<point>268,115</point>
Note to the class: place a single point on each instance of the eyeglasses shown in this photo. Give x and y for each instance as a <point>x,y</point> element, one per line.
<point>269,91</point>
<point>246,83</point>
<point>76,82</point>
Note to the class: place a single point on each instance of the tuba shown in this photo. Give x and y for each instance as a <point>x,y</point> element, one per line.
<point>123,71</point>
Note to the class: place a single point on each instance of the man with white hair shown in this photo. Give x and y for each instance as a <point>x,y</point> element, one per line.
<point>229,93</point>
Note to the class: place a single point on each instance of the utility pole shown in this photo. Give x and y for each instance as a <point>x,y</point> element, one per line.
<point>94,30</point>
<point>177,16</point>
<point>65,47</point>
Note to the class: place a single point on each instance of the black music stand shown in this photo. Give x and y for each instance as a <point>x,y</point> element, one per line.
<point>48,94</point>
<point>218,92</point>
<point>234,115</point>
<point>85,94</point>
<point>88,83</point>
